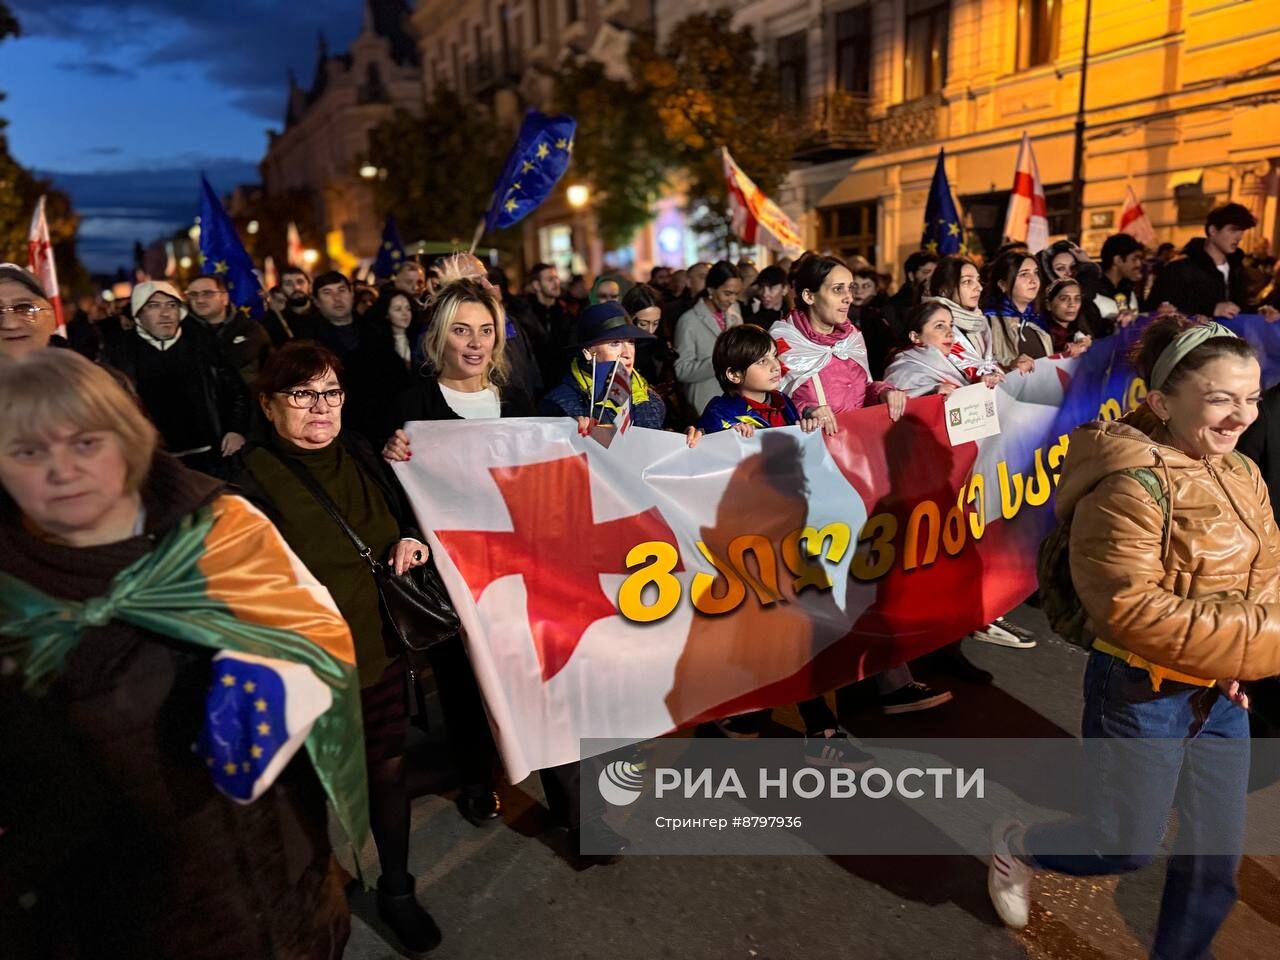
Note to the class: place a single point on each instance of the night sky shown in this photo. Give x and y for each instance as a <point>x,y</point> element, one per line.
<point>135,97</point>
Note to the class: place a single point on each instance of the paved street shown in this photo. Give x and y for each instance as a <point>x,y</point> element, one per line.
<point>506,892</point>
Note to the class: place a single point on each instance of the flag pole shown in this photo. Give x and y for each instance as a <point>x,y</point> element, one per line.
<point>475,240</point>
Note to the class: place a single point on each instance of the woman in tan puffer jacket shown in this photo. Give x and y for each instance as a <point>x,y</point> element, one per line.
<point>1175,556</point>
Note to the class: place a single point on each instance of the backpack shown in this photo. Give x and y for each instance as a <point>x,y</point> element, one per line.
<point>1058,598</point>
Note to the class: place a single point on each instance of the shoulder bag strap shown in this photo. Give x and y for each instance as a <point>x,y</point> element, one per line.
<point>313,487</point>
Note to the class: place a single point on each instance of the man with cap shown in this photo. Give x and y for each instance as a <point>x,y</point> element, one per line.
<point>194,396</point>
<point>27,320</point>
<point>604,338</point>
<point>244,340</point>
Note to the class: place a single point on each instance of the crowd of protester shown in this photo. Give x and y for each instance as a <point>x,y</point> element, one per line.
<point>154,406</point>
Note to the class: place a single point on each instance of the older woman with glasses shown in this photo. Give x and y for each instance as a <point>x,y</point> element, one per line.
<point>27,319</point>
<point>301,394</point>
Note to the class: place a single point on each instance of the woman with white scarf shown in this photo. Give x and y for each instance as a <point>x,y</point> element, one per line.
<point>957,285</point>
<point>826,372</point>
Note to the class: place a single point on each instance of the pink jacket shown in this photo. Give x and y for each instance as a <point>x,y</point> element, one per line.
<point>845,384</point>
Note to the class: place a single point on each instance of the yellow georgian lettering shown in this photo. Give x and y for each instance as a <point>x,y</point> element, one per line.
<point>660,560</point>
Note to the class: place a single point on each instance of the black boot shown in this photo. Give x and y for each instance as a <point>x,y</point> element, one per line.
<point>412,925</point>
<point>480,806</point>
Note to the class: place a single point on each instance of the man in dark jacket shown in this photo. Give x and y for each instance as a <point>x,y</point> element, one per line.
<point>299,310</point>
<point>554,324</point>
<point>244,340</point>
<point>880,336</point>
<point>191,392</point>
<point>1209,279</point>
<point>915,277</point>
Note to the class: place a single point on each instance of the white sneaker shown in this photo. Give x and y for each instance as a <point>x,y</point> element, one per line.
<point>1001,637</point>
<point>1008,878</point>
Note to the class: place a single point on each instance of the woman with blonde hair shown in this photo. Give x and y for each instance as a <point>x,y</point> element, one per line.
<point>131,589</point>
<point>465,376</point>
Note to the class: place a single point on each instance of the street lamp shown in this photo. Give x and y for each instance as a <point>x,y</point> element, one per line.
<point>310,256</point>
<point>578,194</point>
<point>185,263</point>
<point>368,171</point>
<point>252,227</point>
<point>194,233</point>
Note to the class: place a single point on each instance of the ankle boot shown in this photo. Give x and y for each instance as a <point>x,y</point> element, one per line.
<point>412,925</point>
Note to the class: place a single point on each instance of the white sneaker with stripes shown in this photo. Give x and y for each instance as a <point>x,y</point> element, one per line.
<point>1008,878</point>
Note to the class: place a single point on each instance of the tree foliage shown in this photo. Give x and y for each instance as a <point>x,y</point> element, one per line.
<point>701,90</point>
<point>441,167</point>
<point>19,192</point>
<point>619,149</point>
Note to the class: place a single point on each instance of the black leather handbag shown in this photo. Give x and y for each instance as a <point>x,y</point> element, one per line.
<point>415,605</point>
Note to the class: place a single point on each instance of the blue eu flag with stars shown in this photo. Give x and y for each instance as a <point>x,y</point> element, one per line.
<point>943,234</point>
<point>537,162</point>
<point>390,251</point>
<point>221,252</point>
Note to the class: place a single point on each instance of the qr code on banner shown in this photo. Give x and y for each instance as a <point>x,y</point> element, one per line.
<point>989,408</point>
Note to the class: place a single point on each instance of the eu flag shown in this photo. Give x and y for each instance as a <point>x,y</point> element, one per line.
<point>390,251</point>
<point>942,231</point>
<point>221,252</point>
<point>536,163</point>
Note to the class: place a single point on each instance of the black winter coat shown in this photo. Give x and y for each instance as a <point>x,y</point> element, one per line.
<point>222,396</point>
<point>1194,283</point>
<point>423,400</point>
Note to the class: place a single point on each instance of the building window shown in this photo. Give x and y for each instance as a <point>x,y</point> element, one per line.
<point>850,229</point>
<point>571,12</point>
<point>1038,22</point>
<point>535,14</point>
<point>853,49</point>
<point>792,69</point>
<point>926,47</point>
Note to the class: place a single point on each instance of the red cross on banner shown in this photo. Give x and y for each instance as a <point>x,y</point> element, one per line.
<point>559,549</point>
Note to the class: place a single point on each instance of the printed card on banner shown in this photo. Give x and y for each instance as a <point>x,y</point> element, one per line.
<point>971,414</point>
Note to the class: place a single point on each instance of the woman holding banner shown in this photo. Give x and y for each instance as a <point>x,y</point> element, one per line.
<point>1175,559</point>
<point>828,373</point>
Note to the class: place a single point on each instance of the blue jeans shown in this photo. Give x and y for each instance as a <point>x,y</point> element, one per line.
<point>1182,747</point>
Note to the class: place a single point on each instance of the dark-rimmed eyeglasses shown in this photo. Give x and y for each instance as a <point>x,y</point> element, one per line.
<point>26,310</point>
<point>306,399</point>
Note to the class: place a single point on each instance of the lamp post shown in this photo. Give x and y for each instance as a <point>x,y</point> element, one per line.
<point>1077,160</point>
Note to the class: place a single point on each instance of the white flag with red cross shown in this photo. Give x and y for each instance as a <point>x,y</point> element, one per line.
<point>40,259</point>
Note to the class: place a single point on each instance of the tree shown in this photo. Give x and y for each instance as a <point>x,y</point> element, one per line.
<point>619,149</point>
<point>441,167</point>
<point>19,192</point>
<point>702,90</point>
<point>709,91</point>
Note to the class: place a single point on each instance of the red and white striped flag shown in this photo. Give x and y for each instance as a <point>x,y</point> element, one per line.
<point>40,259</point>
<point>1134,220</point>
<point>293,247</point>
<point>270,278</point>
<point>1028,217</point>
<point>756,218</point>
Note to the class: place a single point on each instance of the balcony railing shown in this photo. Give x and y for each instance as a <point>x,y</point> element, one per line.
<point>835,125</point>
<point>905,124</point>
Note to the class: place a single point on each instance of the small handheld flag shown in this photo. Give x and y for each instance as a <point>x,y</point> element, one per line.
<point>390,250</point>
<point>535,165</point>
<point>617,395</point>
<point>293,252</point>
<point>221,252</point>
<point>943,234</point>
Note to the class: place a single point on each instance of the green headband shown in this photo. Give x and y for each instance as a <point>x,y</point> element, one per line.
<point>1180,347</point>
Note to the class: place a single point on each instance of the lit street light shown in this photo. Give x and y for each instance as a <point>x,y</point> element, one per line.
<point>368,171</point>
<point>185,263</point>
<point>578,194</point>
<point>310,256</point>
<point>252,227</point>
